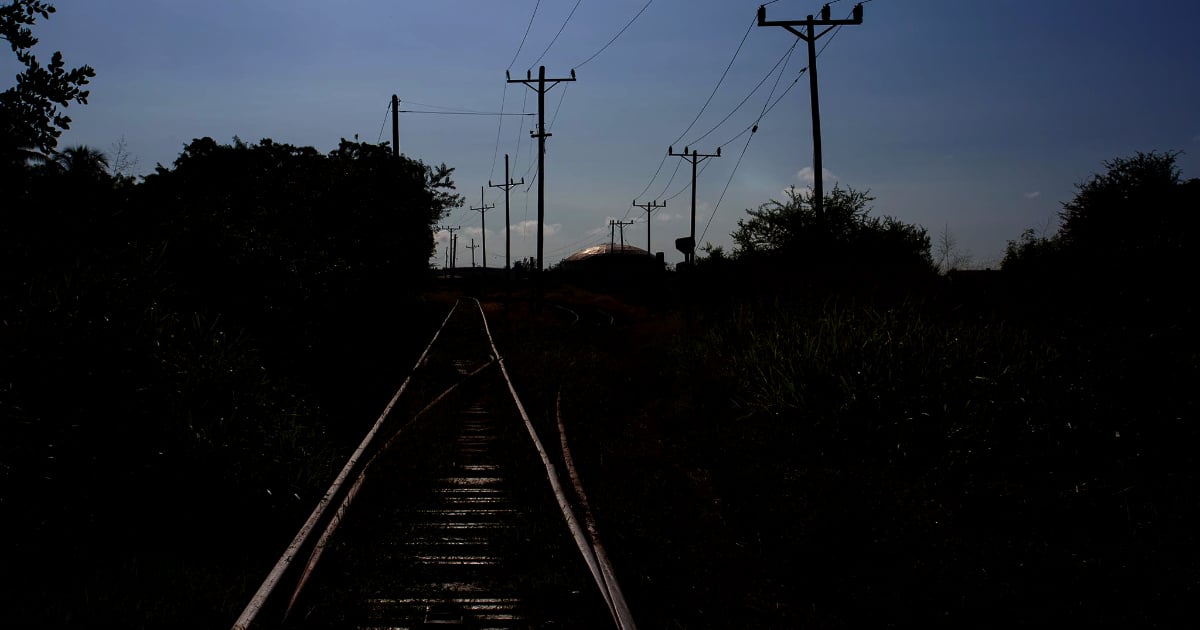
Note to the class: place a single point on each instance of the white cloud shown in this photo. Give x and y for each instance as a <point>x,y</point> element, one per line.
<point>1033,195</point>
<point>808,175</point>
<point>529,228</point>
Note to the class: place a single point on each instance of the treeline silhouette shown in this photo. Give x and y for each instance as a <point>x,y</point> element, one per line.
<point>981,447</point>
<point>184,344</point>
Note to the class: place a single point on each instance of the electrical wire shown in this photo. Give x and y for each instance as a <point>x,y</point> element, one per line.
<point>560,30</point>
<point>782,60</point>
<point>526,35</point>
<point>719,82</point>
<point>420,111</point>
<point>701,112</point>
<point>387,110</point>
<point>627,25</point>
<point>562,95</point>
<point>727,182</point>
<point>499,128</point>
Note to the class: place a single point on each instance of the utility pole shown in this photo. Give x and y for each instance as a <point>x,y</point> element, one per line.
<point>649,207</point>
<point>453,244</point>
<point>613,225</point>
<point>482,209</point>
<point>695,158</point>
<point>810,36</point>
<point>541,89</point>
<point>507,221</point>
<point>395,126</point>
<point>472,247</point>
<point>621,226</point>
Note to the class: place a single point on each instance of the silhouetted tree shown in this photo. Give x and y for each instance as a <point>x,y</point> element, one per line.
<point>846,239</point>
<point>1125,240</point>
<point>29,116</point>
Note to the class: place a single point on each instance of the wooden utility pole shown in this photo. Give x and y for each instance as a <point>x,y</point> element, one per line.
<point>539,85</point>
<point>395,126</point>
<point>695,158</point>
<point>509,183</point>
<point>621,226</point>
<point>482,209</point>
<point>613,225</point>
<point>810,36</point>
<point>453,244</point>
<point>649,207</point>
<point>472,247</point>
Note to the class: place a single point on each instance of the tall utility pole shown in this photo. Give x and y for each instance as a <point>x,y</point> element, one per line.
<point>695,158</point>
<point>811,36</point>
<point>395,126</point>
<point>482,209</point>
<point>507,221</point>
<point>472,247</point>
<point>649,207</point>
<point>541,88</point>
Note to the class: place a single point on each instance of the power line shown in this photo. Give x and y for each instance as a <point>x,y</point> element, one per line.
<point>526,35</point>
<point>727,182</point>
<point>420,111</point>
<point>698,114</point>
<point>386,110</point>
<point>560,30</point>
<point>782,60</point>
<point>718,85</point>
<point>499,128</point>
<point>561,96</point>
<point>627,25</point>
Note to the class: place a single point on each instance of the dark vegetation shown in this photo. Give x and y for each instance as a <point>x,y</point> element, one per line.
<point>176,352</point>
<point>865,443</point>
<point>814,429</point>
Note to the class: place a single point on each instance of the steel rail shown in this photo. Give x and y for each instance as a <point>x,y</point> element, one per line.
<point>620,607</point>
<point>623,621</point>
<point>319,549</point>
<point>254,607</point>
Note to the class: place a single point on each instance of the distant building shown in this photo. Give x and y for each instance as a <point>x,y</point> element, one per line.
<point>612,263</point>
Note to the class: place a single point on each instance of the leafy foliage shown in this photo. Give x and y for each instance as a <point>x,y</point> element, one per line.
<point>847,238</point>
<point>1124,242</point>
<point>29,115</point>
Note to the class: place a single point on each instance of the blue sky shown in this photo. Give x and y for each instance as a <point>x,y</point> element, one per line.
<point>977,115</point>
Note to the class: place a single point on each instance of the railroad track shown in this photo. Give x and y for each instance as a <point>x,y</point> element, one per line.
<point>450,512</point>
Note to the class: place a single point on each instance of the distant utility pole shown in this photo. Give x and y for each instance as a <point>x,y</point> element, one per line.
<point>649,207</point>
<point>694,158</point>
<point>621,226</point>
<point>482,209</point>
<point>614,225</point>
<point>541,88</point>
<point>395,126</point>
<point>811,36</point>
<point>507,221</point>
<point>472,247</point>
<point>453,244</point>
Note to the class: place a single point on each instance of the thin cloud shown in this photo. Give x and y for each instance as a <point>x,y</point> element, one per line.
<point>1033,195</point>
<point>808,175</point>
<point>530,228</point>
